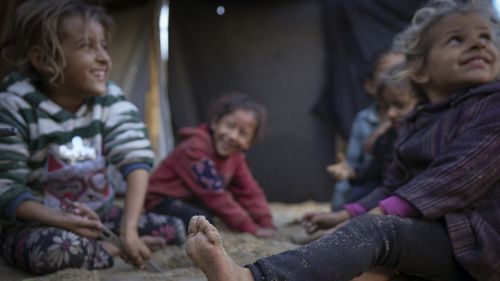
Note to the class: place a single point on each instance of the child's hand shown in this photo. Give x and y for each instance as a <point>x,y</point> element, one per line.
<point>265,232</point>
<point>81,220</point>
<point>380,130</point>
<point>341,170</point>
<point>134,251</point>
<point>314,221</point>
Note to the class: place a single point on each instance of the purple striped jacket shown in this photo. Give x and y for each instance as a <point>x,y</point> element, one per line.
<point>447,165</point>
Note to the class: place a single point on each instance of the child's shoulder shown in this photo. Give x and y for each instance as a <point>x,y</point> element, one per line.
<point>15,93</point>
<point>114,90</point>
<point>113,93</point>
<point>196,142</point>
<point>489,91</point>
<point>195,137</point>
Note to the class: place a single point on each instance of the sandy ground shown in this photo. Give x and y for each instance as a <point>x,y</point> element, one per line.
<point>243,248</point>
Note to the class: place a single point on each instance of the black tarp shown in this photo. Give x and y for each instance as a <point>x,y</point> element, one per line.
<point>301,58</point>
<point>355,32</point>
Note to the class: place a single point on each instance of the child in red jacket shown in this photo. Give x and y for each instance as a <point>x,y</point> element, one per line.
<point>207,173</point>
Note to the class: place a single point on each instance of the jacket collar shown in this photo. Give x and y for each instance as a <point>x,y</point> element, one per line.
<point>456,98</point>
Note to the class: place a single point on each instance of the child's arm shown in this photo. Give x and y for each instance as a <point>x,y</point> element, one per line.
<point>16,199</point>
<point>127,146</point>
<point>341,170</point>
<point>467,167</point>
<point>249,194</point>
<point>197,172</point>
<point>355,153</point>
<point>87,226</point>
<point>137,181</point>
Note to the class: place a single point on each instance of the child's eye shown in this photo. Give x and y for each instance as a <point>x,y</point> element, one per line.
<point>485,37</point>
<point>85,45</point>
<point>230,124</point>
<point>244,134</point>
<point>454,40</point>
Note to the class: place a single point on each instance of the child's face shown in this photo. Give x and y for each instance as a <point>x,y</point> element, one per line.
<point>87,60</point>
<point>234,132</point>
<point>397,103</point>
<point>462,54</point>
<point>385,63</point>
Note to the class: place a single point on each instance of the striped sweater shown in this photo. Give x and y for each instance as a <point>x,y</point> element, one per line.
<point>58,154</point>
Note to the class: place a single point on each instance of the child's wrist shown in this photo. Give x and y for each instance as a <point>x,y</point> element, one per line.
<point>128,229</point>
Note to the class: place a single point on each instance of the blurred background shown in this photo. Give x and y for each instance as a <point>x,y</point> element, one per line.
<point>303,59</point>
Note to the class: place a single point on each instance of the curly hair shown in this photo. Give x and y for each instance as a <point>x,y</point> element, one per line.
<point>415,42</point>
<point>37,23</point>
<point>233,101</point>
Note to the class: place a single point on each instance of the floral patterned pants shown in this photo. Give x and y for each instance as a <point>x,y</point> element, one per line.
<point>43,249</point>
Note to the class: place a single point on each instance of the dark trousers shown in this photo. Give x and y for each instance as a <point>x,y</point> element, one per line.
<point>411,246</point>
<point>182,210</point>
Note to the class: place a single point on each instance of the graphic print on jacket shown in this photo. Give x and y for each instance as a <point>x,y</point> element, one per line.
<point>206,174</point>
<point>77,172</point>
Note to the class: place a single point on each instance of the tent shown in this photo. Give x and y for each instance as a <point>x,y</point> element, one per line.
<point>303,59</point>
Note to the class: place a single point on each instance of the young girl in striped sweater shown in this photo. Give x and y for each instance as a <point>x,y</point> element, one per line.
<point>72,123</point>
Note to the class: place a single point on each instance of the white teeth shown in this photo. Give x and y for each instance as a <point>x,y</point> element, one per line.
<point>477,60</point>
<point>99,74</point>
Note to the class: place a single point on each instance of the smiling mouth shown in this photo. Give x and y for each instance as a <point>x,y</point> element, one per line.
<point>226,145</point>
<point>100,74</point>
<point>476,60</point>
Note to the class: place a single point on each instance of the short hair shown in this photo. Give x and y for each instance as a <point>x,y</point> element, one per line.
<point>415,42</point>
<point>233,101</point>
<point>38,23</point>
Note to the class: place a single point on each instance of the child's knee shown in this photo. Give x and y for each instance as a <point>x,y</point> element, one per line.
<point>60,249</point>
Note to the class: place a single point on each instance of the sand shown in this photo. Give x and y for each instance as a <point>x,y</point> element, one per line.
<point>243,248</point>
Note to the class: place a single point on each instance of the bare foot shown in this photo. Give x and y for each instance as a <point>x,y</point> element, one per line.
<point>204,247</point>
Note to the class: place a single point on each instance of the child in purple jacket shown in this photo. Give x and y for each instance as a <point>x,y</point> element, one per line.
<point>437,214</point>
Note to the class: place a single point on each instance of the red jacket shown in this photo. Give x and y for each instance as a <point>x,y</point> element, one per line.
<point>193,171</point>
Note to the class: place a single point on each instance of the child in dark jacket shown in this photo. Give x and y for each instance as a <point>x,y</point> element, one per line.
<point>437,214</point>
<point>207,174</point>
<point>397,99</point>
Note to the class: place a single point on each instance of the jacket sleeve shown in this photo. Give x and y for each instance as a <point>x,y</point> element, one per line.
<point>249,194</point>
<point>14,154</point>
<point>198,172</point>
<point>125,137</point>
<point>355,144</point>
<point>466,170</point>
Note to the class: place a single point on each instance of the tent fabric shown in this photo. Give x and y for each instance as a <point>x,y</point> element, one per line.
<point>302,59</point>
<point>355,31</point>
<point>273,51</point>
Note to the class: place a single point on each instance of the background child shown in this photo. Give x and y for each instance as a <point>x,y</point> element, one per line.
<point>207,173</point>
<point>366,123</point>
<point>71,124</point>
<point>437,216</point>
<point>397,100</point>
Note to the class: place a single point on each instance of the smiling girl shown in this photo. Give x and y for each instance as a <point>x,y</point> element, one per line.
<point>72,123</point>
<point>207,174</point>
